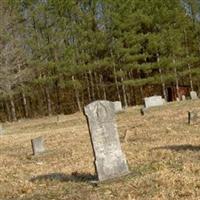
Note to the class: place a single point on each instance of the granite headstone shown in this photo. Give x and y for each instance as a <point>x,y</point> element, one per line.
<point>110,161</point>
<point>38,145</point>
<point>193,117</point>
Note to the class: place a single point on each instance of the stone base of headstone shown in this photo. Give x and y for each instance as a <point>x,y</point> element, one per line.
<point>97,182</point>
<point>37,145</point>
<point>193,117</point>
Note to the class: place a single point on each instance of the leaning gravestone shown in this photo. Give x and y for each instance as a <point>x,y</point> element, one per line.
<point>37,145</point>
<point>193,95</point>
<point>118,106</point>
<point>110,162</point>
<point>154,101</point>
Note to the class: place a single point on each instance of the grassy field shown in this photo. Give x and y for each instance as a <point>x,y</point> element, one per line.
<point>162,150</point>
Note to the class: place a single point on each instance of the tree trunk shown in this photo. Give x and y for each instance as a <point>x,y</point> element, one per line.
<point>58,97</point>
<point>161,79</point>
<point>177,82</point>
<point>141,87</point>
<point>103,87</point>
<point>190,77</point>
<point>97,85</point>
<point>128,97</point>
<point>48,100</point>
<point>13,111</point>
<point>32,110</point>
<point>88,87</point>
<point>124,92</point>
<point>134,96</point>
<point>131,90</point>
<point>77,95</point>
<point>163,85</point>
<point>92,84</point>
<point>142,92</point>
<point>82,98</point>
<point>198,87</point>
<point>25,105</point>
<point>187,53</point>
<point>8,111</point>
<point>116,84</point>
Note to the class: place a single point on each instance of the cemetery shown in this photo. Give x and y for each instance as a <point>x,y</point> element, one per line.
<point>99,100</point>
<point>103,155</point>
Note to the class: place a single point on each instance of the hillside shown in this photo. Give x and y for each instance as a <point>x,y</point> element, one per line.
<point>162,150</point>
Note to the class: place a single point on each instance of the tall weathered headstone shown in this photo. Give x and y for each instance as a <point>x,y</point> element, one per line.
<point>118,106</point>
<point>110,162</point>
<point>37,145</point>
<point>193,95</point>
<point>154,101</point>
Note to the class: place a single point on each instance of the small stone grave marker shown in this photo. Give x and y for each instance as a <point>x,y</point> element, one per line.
<point>118,106</point>
<point>193,117</point>
<point>37,145</point>
<point>143,110</point>
<point>1,129</point>
<point>110,162</point>
<point>183,98</point>
<point>154,101</point>
<point>193,95</point>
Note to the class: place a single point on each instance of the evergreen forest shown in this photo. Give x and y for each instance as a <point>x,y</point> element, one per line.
<point>56,56</point>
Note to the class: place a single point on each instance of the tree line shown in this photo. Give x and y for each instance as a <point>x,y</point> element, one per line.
<point>57,56</point>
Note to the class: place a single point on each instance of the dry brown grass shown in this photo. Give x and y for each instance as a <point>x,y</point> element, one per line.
<point>162,150</point>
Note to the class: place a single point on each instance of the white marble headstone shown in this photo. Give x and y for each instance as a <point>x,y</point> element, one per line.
<point>118,106</point>
<point>183,98</point>
<point>154,101</point>
<point>193,95</point>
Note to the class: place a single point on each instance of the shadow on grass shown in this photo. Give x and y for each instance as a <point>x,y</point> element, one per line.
<point>184,147</point>
<point>74,177</point>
